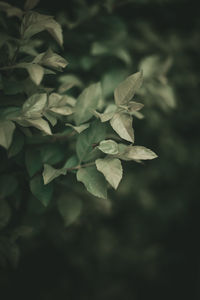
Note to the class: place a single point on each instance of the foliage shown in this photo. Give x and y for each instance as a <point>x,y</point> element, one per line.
<point>48,132</point>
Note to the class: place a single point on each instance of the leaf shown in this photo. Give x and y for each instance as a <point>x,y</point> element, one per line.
<point>42,192</point>
<point>108,147</point>
<point>60,104</point>
<point>36,73</point>
<point>37,123</point>
<point>10,10</point>
<point>51,173</point>
<point>70,208</point>
<point>69,81</point>
<point>135,153</point>
<point>33,161</point>
<point>111,80</point>
<point>107,114</point>
<point>71,162</point>
<point>17,144</point>
<point>6,133</point>
<point>80,128</point>
<point>52,153</point>
<point>30,4</point>
<point>93,181</point>
<point>122,124</point>
<point>135,106</point>
<point>34,23</point>
<point>87,140</point>
<point>125,91</point>
<point>34,106</point>
<point>51,60</point>
<point>111,168</point>
<point>50,117</point>
<point>86,103</point>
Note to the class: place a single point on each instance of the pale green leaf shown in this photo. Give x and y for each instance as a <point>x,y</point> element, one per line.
<point>6,133</point>
<point>87,102</point>
<point>125,91</point>
<point>51,60</point>
<point>108,147</point>
<point>70,208</point>
<point>111,168</point>
<point>135,153</point>
<point>39,123</point>
<point>68,81</point>
<point>10,10</point>
<point>80,128</point>
<point>88,139</point>
<point>36,73</point>
<point>135,106</point>
<point>107,114</point>
<point>50,117</point>
<point>51,173</point>
<point>34,106</point>
<point>60,104</point>
<point>93,181</point>
<point>34,22</point>
<point>30,4</point>
<point>42,192</point>
<point>122,124</point>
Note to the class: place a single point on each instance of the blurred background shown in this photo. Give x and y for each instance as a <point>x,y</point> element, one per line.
<point>143,242</point>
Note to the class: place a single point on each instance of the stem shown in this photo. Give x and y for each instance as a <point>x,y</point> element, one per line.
<point>81,166</point>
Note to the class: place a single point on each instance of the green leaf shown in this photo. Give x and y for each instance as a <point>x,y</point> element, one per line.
<point>10,10</point>
<point>51,60</point>
<point>60,104</point>
<point>52,153</point>
<point>30,4</point>
<point>135,106</point>
<point>107,114</point>
<point>8,185</point>
<point>108,147</point>
<point>80,128</point>
<point>6,133</point>
<point>125,91</point>
<point>37,123</point>
<point>69,81</point>
<point>51,173</point>
<point>71,162</point>
<point>42,192</point>
<point>34,23</point>
<point>36,72</point>
<point>135,153</point>
<point>87,102</point>
<point>111,168</point>
<point>88,139</point>
<point>33,161</point>
<point>70,208</point>
<point>50,117</point>
<point>93,181</point>
<point>122,124</point>
<point>33,107</point>
<point>17,144</point>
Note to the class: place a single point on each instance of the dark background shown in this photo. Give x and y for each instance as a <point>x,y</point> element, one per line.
<point>147,244</point>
